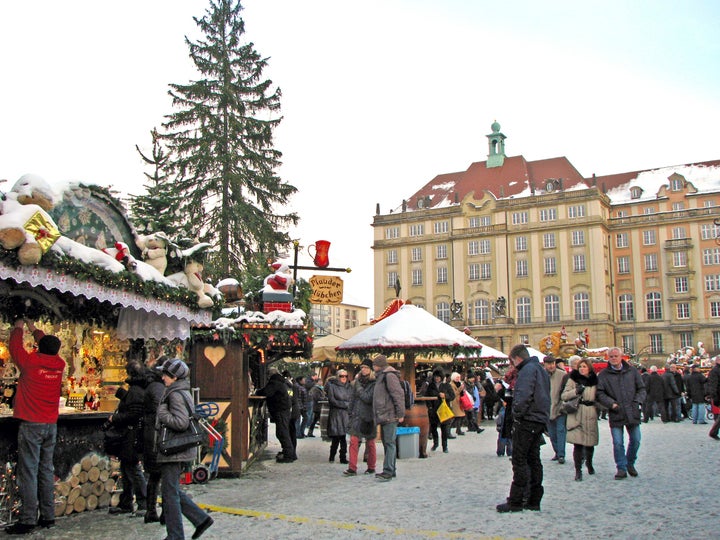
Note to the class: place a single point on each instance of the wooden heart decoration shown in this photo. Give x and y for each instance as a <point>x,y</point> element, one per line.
<point>214,354</point>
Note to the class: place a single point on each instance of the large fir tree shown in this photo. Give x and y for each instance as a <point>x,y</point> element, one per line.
<point>157,210</point>
<point>220,138</point>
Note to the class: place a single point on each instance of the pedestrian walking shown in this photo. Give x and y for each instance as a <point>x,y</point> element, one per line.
<point>713,391</point>
<point>557,425</point>
<point>621,391</point>
<point>279,403</point>
<point>338,396</point>
<point>362,420</point>
<point>695,387</point>
<point>389,411</point>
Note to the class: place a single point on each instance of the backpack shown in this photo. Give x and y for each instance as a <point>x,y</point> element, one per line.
<point>409,397</point>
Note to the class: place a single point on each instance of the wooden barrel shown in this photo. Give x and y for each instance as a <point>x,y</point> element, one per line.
<point>324,413</point>
<point>417,416</point>
<point>231,291</point>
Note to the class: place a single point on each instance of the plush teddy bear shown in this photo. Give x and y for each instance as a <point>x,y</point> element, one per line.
<point>154,249</point>
<point>280,280</point>
<point>191,276</point>
<point>122,254</point>
<point>25,224</point>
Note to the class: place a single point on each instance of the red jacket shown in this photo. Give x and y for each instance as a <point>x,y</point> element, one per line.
<point>38,389</point>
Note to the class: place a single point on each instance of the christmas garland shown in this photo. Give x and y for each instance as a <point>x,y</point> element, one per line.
<point>292,341</point>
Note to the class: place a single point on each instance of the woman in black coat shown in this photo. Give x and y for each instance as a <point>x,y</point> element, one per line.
<point>153,393</point>
<point>338,395</point>
<point>439,389</point>
<point>129,415</point>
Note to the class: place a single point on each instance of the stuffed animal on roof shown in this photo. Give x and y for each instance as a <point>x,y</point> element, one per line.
<point>25,224</point>
<point>154,249</point>
<point>280,280</point>
<point>191,276</point>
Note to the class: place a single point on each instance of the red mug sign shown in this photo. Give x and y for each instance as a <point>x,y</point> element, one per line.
<point>326,290</point>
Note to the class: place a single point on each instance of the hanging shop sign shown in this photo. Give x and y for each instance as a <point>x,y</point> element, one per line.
<point>326,290</point>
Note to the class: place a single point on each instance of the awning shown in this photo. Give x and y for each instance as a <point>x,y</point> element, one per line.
<point>137,317</point>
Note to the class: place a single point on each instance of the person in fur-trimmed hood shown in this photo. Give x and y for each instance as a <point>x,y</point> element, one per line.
<point>582,425</point>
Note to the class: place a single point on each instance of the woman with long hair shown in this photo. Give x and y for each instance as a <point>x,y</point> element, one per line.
<point>582,425</point>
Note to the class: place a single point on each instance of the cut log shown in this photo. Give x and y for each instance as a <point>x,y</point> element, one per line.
<point>102,464</point>
<point>86,489</point>
<point>93,474</point>
<point>74,480</point>
<point>110,485</point>
<point>104,499</point>
<point>104,475</point>
<point>60,504</point>
<point>74,494</point>
<point>76,469</point>
<point>91,502</point>
<point>115,499</point>
<point>94,459</point>
<point>69,509</point>
<point>98,488</point>
<point>83,476</point>
<point>63,488</point>
<point>86,463</point>
<point>79,505</point>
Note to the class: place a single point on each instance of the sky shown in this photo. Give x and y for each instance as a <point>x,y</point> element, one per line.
<point>378,97</point>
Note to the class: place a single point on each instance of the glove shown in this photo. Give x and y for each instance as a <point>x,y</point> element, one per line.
<point>579,389</point>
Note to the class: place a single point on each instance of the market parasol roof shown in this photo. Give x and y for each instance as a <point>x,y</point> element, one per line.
<point>411,330</point>
<point>324,347</point>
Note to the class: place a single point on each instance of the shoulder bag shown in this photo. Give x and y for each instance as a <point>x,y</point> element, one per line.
<point>173,442</point>
<point>571,405</point>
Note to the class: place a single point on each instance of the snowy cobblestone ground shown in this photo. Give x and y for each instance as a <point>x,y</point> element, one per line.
<point>452,496</point>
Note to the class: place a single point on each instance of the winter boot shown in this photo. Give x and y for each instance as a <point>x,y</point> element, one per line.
<point>151,515</point>
<point>589,451</point>
<point>578,452</point>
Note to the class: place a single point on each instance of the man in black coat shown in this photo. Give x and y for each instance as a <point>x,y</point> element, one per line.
<point>621,391</point>
<point>695,387</point>
<point>531,413</point>
<point>279,403</point>
<point>672,394</point>
<point>713,391</point>
<point>655,394</point>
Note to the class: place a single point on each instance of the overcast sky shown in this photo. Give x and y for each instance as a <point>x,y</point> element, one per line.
<point>379,96</point>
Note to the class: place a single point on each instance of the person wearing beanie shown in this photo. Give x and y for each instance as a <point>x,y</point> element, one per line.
<point>389,411</point>
<point>36,407</point>
<point>174,409</point>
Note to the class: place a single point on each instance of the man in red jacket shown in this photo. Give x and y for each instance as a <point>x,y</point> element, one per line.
<point>36,407</point>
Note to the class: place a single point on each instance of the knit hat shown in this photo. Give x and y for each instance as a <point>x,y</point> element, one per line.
<point>176,368</point>
<point>367,362</point>
<point>380,361</point>
<point>48,345</point>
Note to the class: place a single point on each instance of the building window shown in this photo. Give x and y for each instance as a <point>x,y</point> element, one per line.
<point>578,238</point>
<point>417,230</point>
<point>716,339</point>
<point>678,233</point>
<point>474,272</point>
<point>479,221</point>
<point>550,266</point>
<point>521,267</point>
<point>635,192</point>
<point>621,240</point>
<point>679,259</point>
<point>683,310</point>
<point>442,312</point>
<point>552,308</point>
<point>579,263</point>
<point>715,309</point>
<point>519,218</point>
<point>628,343</point>
<point>548,214</point>
<point>653,305</point>
<point>392,256</point>
<point>350,318</point>
<point>582,306</point>
<point>712,283</point>
<point>709,231</point>
<point>521,243</point>
<point>676,184</point>
<point>473,248</point>
<point>622,213</point>
<point>474,222</point>
<point>651,262</point>
<point>549,240</point>
<point>678,206</point>
<point>711,257</point>
<point>480,312</point>
<point>656,344</point>
<point>441,227</point>
<point>523,310</point>
<point>484,247</point>
<point>417,277</point>
<point>576,211</point>
<point>623,265</point>
<point>442,274</point>
<point>441,252</point>
<point>681,284</point>
<point>392,232</point>
<point>485,271</point>
<point>416,254</point>
<point>649,238</point>
<point>627,307</point>
<point>649,210</point>
<point>392,279</point>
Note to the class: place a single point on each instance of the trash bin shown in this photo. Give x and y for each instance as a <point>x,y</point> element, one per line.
<point>408,442</point>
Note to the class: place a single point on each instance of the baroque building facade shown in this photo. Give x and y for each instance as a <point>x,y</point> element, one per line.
<point>515,250</point>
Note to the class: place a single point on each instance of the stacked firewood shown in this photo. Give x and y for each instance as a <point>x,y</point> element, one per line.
<point>91,484</point>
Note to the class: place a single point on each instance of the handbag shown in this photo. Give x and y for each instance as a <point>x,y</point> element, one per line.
<point>570,406</point>
<point>444,412</point>
<point>171,442</point>
<point>115,440</point>
<point>466,402</point>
